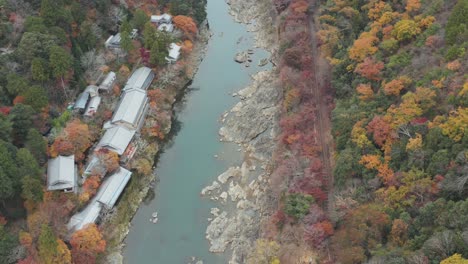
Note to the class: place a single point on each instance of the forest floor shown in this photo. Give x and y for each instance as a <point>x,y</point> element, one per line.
<point>321,91</point>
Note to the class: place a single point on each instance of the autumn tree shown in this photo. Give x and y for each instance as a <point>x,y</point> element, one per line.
<point>455,259</point>
<point>74,139</point>
<point>363,47</point>
<point>86,244</point>
<point>109,158</point>
<point>395,86</point>
<point>365,92</point>
<point>187,25</point>
<point>370,69</point>
<point>264,252</point>
<point>456,126</point>
<point>405,29</point>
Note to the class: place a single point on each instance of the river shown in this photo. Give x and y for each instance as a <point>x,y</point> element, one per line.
<point>188,163</point>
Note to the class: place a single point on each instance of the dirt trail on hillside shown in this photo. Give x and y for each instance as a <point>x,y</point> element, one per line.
<point>321,90</point>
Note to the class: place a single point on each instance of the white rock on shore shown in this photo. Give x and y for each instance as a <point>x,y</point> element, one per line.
<point>231,172</point>
<point>208,189</point>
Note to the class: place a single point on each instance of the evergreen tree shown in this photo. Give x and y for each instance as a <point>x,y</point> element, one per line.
<point>39,70</point>
<point>125,40</point>
<point>21,117</point>
<point>36,97</point>
<point>36,144</point>
<point>60,61</point>
<point>5,128</point>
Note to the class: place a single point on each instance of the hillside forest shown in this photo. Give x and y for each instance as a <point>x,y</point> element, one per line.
<point>397,97</point>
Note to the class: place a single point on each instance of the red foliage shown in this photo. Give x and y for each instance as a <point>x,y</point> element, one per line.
<point>5,110</point>
<point>380,130</point>
<point>370,69</point>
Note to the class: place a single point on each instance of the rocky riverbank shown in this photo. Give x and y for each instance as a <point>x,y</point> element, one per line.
<point>117,224</point>
<point>253,124</point>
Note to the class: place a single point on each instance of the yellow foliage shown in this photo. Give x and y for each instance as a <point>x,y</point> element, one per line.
<point>405,29</point>
<point>349,12</point>
<point>464,90</point>
<point>358,135</point>
<point>264,252</point>
<point>414,143</point>
<point>455,259</point>
<point>456,125</point>
<point>387,18</point>
<point>363,46</point>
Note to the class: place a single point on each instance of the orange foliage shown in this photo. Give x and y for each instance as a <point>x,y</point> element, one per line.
<point>376,11</point>
<point>88,239</point>
<point>300,6</point>
<point>454,65</point>
<point>90,187</point>
<point>394,87</point>
<point>370,161</point>
<point>75,138</point>
<point>186,24</point>
<point>370,69</point>
<point>187,46</point>
<point>363,46</point>
<point>399,233</point>
<point>365,92</point>
<point>412,5</point>
<point>18,100</point>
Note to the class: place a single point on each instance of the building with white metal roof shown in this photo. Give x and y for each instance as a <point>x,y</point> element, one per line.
<point>116,139</point>
<point>108,194</point>
<point>82,100</point>
<point>108,82</point>
<point>140,79</point>
<point>93,106</point>
<point>113,41</point>
<point>113,187</point>
<point>131,109</point>
<point>88,216</point>
<point>174,53</point>
<point>164,18</point>
<point>61,174</point>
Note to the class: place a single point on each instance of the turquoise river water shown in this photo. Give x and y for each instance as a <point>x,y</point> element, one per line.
<point>188,163</point>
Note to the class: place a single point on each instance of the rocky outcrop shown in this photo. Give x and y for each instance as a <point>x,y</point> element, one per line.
<point>253,124</point>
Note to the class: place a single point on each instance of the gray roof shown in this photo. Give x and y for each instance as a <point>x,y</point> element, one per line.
<point>82,100</point>
<point>93,106</point>
<point>140,79</point>
<point>85,217</point>
<point>107,196</point>
<point>108,81</point>
<point>130,108</point>
<point>61,173</point>
<point>117,139</point>
<point>111,189</point>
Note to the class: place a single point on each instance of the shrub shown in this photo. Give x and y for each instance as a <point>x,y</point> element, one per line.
<point>297,205</point>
